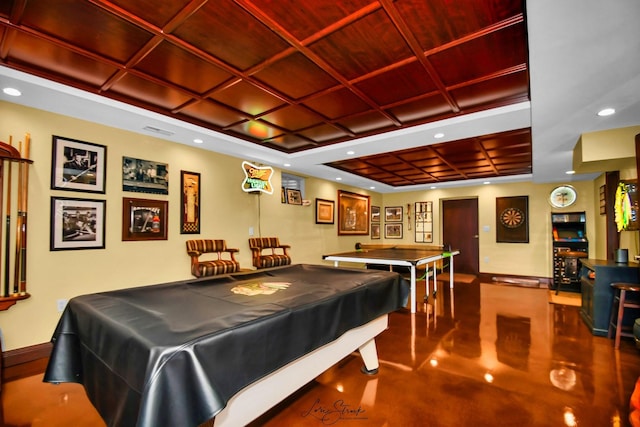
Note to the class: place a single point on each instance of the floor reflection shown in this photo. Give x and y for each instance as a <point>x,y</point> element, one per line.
<point>484,355</point>
<point>477,355</point>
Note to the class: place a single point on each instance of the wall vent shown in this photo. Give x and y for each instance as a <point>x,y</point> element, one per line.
<point>158,130</point>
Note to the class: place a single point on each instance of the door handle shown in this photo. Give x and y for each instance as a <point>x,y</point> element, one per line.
<point>476,236</point>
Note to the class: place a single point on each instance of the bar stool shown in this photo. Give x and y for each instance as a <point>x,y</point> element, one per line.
<point>620,303</point>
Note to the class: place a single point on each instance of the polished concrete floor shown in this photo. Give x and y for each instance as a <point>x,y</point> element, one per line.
<point>484,355</point>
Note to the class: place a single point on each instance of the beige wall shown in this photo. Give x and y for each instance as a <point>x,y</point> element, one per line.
<point>227,213</point>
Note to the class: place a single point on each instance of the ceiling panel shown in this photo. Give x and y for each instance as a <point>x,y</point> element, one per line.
<point>503,154</point>
<point>292,76</point>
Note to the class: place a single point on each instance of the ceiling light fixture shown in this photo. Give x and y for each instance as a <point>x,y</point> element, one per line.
<point>286,165</point>
<point>372,188</point>
<point>438,135</point>
<point>351,152</point>
<point>606,112</point>
<point>11,91</point>
<point>486,182</point>
<point>198,141</point>
<point>570,172</point>
<point>338,179</point>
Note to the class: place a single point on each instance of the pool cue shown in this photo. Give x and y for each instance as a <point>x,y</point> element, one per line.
<point>5,288</point>
<point>21,231</point>
<point>7,255</point>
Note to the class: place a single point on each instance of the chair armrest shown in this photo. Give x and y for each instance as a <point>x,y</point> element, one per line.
<point>194,253</point>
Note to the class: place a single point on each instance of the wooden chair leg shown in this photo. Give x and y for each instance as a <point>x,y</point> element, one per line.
<point>620,317</point>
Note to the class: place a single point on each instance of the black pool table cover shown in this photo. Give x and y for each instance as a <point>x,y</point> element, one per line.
<point>173,354</point>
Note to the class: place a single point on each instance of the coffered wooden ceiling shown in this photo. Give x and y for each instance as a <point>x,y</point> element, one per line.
<point>295,75</point>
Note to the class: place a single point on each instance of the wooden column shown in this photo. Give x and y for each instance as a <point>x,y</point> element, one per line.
<point>613,237</point>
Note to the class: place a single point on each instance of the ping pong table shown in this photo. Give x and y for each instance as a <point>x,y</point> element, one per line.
<point>405,256</point>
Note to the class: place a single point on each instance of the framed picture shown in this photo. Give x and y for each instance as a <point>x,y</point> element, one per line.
<point>77,224</point>
<point>375,231</point>
<point>294,197</point>
<point>375,213</point>
<point>393,231</point>
<point>144,176</point>
<point>144,219</point>
<point>78,165</point>
<point>512,224</point>
<point>324,211</point>
<point>603,200</point>
<point>424,222</point>
<point>393,214</point>
<point>190,206</point>
<point>353,214</point>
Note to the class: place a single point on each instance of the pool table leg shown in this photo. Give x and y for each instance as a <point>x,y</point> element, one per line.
<point>369,356</point>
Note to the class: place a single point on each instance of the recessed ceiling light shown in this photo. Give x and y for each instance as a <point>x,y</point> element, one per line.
<point>338,179</point>
<point>570,172</point>
<point>606,112</point>
<point>433,187</point>
<point>198,141</point>
<point>12,91</point>
<point>286,165</point>
<point>487,182</point>
<point>351,152</point>
<point>372,188</point>
<point>438,135</point>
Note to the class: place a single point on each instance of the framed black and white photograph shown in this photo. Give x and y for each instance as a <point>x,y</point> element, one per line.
<point>144,176</point>
<point>77,224</point>
<point>78,165</point>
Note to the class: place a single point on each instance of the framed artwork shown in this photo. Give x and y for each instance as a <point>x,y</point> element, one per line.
<point>393,230</point>
<point>603,200</point>
<point>190,206</point>
<point>294,197</point>
<point>77,224</point>
<point>512,219</point>
<point>424,222</point>
<point>375,231</point>
<point>324,211</point>
<point>375,213</point>
<point>144,176</point>
<point>393,214</point>
<point>144,219</point>
<point>353,214</point>
<point>78,165</point>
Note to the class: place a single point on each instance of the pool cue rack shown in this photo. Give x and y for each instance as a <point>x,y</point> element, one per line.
<point>9,155</point>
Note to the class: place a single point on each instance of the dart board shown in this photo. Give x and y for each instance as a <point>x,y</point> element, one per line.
<point>512,218</point>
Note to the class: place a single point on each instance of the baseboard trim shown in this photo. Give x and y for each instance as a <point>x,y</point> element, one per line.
<point>25,362</point>
<point>543,282</point>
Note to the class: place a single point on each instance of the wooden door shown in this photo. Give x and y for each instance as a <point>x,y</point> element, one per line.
<point>460,230</point>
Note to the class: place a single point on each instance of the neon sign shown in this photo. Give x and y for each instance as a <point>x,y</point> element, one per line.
<point>257,178</point>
